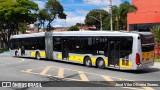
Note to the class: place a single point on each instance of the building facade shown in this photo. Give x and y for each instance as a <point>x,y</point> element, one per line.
<point>146,16</point>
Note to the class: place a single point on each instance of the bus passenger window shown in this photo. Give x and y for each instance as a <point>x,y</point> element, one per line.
<point>57,44</point>
<point>126,46</point>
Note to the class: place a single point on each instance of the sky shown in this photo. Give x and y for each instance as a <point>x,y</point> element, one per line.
<point>76,10</point>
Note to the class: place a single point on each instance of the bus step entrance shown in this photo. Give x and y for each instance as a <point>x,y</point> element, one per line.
<point>113,66</point>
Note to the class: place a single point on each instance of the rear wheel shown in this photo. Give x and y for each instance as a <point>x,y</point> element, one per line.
<point>100,63</point>
<point>87,62</point>
<point>38,57</point>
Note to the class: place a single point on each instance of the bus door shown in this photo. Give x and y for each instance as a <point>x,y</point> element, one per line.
<point>65,49</point>
<point>114,52</point>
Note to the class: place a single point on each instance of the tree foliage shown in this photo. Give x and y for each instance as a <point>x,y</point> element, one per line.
<point>93,17</point>
<point>15,15</point>
<point>73,28</point>
<point>43,17</point>
<point>12,14</point>
<point>54,9</point>
<point>119,15</point>
<point>17,10</point>
<point>22,27</point>
<point>156,31</point>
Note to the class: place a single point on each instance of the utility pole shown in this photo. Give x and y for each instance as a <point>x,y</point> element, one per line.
<point>111,22</point>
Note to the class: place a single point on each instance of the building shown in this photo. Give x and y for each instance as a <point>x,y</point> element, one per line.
<point>32,28</point>
<point>146,17</point>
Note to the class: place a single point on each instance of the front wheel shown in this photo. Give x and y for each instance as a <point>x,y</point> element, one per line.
<point>100,63</point>
<point>38,57</point>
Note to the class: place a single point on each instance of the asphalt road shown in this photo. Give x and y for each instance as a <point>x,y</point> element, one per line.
<point>28,69</point>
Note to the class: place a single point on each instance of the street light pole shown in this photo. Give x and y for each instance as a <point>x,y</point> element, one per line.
<point>111,22</point>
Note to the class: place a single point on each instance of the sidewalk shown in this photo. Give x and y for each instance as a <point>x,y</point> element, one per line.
<point>157,65</point>
<point>5,53</point>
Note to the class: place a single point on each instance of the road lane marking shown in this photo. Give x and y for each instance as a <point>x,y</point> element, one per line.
<point>61,73</point>
<point>45,70</point>
<point>107,78</point>
<point>19,61</point>
<point>83,76</point>
<point>84,72</point>
<point>94,74</point>
<point>28,70</point>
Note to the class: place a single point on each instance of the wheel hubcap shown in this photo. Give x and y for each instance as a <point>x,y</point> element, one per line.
<point>88,62</point>
<point>101,63</point>
<point>38,57</point>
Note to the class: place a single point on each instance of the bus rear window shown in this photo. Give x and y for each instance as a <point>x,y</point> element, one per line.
<point>147,43</point>
<point>146,39</point>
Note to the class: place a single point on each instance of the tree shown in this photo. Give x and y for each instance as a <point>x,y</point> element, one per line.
<point>120,15</point>
<point>95,16</point>
<point>74,28</point>
<point>17,11</point>
<point>106,23</point>
<point>80,24</point>
<point>12,14</point>
<point>54,9</point>
<point>22,27</point>
<point>42,17</point>
<point>156,31</point>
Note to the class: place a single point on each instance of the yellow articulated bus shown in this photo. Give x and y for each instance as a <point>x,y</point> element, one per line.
<point>119,50</point>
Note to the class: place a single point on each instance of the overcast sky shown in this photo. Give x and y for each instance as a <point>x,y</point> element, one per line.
<point>76,10</point>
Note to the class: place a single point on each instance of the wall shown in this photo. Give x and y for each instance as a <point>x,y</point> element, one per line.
<point>148,12</point>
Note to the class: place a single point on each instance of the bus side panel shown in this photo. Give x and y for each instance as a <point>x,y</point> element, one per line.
<point>137,50</point>
<point>57,55</point>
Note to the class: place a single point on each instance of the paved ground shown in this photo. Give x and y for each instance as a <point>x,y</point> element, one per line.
<point>157,65</point>
<point>25,69</point>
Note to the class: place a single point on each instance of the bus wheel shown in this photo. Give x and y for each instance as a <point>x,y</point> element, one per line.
<point>16,53</point>
<point>38,57</point>
<point>100,63</point>
<point>87,62</point>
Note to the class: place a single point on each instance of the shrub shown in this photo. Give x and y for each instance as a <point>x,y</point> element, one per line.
<point>156,31</point>
<point>74,28</point>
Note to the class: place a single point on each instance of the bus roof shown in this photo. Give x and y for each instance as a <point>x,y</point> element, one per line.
<point>28,35</point>
<point>91,33</point>
<point>80,33</point>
